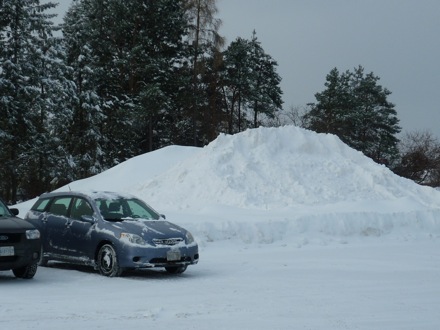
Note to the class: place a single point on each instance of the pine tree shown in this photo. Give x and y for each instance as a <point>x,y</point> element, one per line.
<point>236,80</point>
<point>356,109</point>
<point>30,85</point>
<point>205,42</point>
<point>82,133</point>
<point>266,93</point>
<point>334,105</point>
<point>134,51</point>
<point>251,84</point>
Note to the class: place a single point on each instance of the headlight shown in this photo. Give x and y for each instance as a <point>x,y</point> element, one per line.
<point>189,238</point>
<point>132,238</point>
<point>32,234</point>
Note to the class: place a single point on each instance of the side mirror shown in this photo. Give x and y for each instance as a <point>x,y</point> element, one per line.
<point>14,211</point>
<point>88,218</point>
<point>163,216</point>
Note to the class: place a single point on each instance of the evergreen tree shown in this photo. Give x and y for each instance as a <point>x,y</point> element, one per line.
<point>356,109</point>
<point>237,85</point>
<point>82,133</point>
<point>331,113</point>
<point>134,51</point>
<point>265,98</point>
<point>251,84</point>
<point>30,86</point>
<point>205,43</point>
<point>214,117</point>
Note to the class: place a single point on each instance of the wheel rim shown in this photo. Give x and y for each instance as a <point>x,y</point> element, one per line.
<point>107,259</point>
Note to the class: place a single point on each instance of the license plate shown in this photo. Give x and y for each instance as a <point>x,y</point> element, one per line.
<point>6,251</point>
<point>173,255</point>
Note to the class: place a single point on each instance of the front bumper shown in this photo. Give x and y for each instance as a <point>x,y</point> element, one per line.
<point>26,252</point>
<point>149,257</point>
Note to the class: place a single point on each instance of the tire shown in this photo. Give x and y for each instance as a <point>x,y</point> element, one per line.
<point>175,269</point>
<point>108,264</point>
<point>26,272</point>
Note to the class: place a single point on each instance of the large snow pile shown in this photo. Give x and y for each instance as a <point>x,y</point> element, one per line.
<point>270,184</point>
<point>272,168</point>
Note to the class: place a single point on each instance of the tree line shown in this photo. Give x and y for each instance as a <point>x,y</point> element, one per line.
<point>120,78</point>
<point>117,79</point>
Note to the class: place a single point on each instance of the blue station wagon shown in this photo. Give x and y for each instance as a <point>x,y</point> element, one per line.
<point>110,231</point>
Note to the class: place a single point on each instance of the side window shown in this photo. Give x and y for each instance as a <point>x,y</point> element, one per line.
<point>60,206</point>
<point>41,204</point>
<point>80,207</point>
<point>138,210</point>
<point>3,209</point>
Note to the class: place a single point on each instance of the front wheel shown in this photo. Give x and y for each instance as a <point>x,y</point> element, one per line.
<point>108,264</point>
<point>175,269</point>
<point>26,272</point>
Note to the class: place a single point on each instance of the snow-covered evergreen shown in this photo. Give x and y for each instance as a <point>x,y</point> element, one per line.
<point>32,83</point>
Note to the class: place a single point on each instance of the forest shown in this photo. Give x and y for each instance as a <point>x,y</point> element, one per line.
<point>120,78</point>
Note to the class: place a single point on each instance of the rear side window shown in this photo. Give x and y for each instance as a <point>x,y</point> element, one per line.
<point>60,205</point>
<point>41,204</point>
<point>80,207</point>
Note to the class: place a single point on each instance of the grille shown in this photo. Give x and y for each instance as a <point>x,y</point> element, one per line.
<point>167,241</point>
<point>165,261</point>
<point>8,238</point>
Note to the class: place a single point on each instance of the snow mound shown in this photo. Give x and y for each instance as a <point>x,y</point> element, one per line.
<point>273,168</point>
<point>274,184</point>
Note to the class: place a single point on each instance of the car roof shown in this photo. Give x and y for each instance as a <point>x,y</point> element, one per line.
<point>88,194</point>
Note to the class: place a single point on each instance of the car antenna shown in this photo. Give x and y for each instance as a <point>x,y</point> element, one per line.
<point>69,187</point>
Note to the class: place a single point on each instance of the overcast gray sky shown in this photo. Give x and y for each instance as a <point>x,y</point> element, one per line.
<point>398,40</point>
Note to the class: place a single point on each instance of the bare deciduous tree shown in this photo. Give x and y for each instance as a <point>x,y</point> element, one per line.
<point>420,158</point>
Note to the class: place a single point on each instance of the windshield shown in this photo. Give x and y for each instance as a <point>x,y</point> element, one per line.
<point>4,211</point>
<point>125,208</point>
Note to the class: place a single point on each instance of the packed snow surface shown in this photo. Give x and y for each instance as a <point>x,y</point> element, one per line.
<point>295,229</point>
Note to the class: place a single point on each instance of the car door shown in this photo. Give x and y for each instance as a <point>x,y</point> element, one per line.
<point>56,221</point>
<point>79,229</point>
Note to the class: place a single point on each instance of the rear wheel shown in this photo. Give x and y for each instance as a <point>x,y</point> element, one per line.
<point>26,272</point>
<point>108,264</point>
<point>175,269</point>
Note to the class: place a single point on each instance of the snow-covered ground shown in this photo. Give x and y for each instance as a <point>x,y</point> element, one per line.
<point>295,229</point>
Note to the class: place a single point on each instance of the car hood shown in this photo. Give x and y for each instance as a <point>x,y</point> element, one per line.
<point>14,224</point>
<point>149,229</point>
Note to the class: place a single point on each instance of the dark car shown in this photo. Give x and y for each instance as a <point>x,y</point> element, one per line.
<point>110,231</point>
<point>20,244</point>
